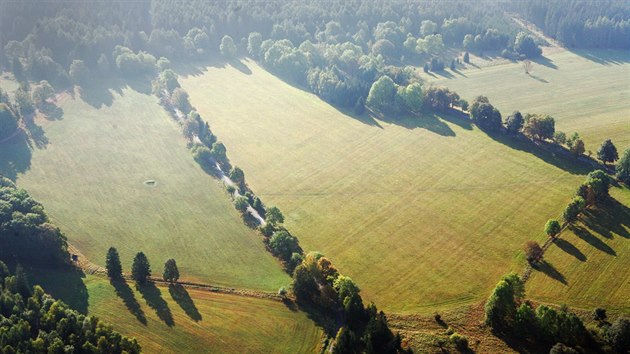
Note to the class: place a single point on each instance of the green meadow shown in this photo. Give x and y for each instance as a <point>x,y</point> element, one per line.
<point>423,212</point>
<point>90,168</point>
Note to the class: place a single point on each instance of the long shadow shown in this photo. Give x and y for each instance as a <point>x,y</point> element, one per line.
<point>587,236</point>
<point>550,271</point>
<point>126,294</point>
<point>37,134</point>
<point>64,283</point>
<point>458,72</point>
<point>551,155</point>
<point>51,111</point>
<point>15,156</point>
<point>183,299</point>
<point>569,248</point>
<point>612,217</point>
<point>538,78</point>
<point>604,57</point>
<point>240,66</point>
<point>456,117</point>
<point>445,74</point>
<point>153,297</point>
<point>545,62</point>
<point>97,95</point>
<point>428,121</point>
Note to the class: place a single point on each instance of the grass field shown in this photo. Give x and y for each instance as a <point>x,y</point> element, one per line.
<point>587,92</point>
<point>588,267</point>
<point>200,322</point>
<point>91,177</point>
<point>423,213</point>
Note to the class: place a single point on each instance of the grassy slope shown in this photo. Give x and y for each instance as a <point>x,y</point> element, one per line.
<point>587,93</point>
<point>224,323</point>
<point>590,264</point>
<point>91,175</point>
<point>423,214</point>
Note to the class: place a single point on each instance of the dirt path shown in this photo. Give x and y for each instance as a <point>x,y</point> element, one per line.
<point>95,269</point>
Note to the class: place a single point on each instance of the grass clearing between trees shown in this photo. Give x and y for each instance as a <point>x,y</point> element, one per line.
<point>585,91</point>
<point>588,266</point>
<point>91,176</point>
<point>424,214</point>
<point>200,321</point>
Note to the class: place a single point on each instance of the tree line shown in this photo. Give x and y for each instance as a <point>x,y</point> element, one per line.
<point>32,321</point>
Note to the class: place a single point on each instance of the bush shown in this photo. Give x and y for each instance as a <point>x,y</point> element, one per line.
<point>283,245</point>
<point>460,341</point>
<point>241,204</point>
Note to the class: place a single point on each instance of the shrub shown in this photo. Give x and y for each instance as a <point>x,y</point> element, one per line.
<point>241,204</point>
<point>460,341</point>
<point>283,245</point>
<point>552,228</point>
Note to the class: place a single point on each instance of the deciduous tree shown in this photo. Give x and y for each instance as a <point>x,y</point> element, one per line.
<point>171,273</point>
<point>607,152</point>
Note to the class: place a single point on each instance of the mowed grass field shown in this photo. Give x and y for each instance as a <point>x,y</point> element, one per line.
<point>424,213</point>
<point>91,179</point>
<point>189,321</point>
<point>588,266</point>
<point>587,92</point>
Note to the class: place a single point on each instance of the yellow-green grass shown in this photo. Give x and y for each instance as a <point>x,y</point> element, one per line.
<point>91,179</point>
<point>587,92</point>
<point>200,322</point>
<point>424,214</point>
<point>589,264</point>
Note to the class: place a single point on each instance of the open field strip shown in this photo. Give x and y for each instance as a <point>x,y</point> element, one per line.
<point>588,264</point>
<point>423,213</point>
<point>586,91</point>
<point>92,178</point>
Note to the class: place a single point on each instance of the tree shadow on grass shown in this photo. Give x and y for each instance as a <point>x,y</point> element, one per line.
<point>126,294</point>
<point>240,66</point>
<point>569,248</point>
<point>612,217</point>
<point>153,297</point>
<point>544,61</point>
<point>15,156</point>
<point>456,117</point>
<point>604,57</point>
<point>51,111</point>
<point>552,155</point>
<point>183,299</point>
<point>429,121</point>
<point>587,236</point>
<point>550,271</point>
<point>64,283</point>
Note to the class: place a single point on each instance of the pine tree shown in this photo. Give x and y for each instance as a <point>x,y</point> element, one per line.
<point>171,273</point>
<point>112,263</point>
<point>21,281</point>
<point>140,270</point>
<point>466,58</point>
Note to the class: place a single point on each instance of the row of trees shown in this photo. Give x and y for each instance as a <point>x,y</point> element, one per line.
<point>140,270</point>
<point>508,313</point>
<point>31,321</point>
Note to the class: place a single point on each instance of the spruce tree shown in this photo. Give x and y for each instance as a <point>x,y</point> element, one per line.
<point>140,270</point>
<point>171,273</point>
<point>112,263</point>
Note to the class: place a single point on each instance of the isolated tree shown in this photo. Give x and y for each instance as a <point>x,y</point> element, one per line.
<point>241,204</point>
<point>466,58</point>
<point>79,73</point>
<point>227,47</point>
<point>607,152</point>
<point>514,122</point>
<point>599,314</point>
<point>452,66</point>
<point>42,92</point>
<point>381,95</point>
<point>533,251</point>
<point>426,68</point>
<point>171,273</point>
<point>112,264</point>
<point>527,66</point>
<point>140,270</point>
<point>623,167</point>
<point>552,227</point>
<point>274,216</point>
